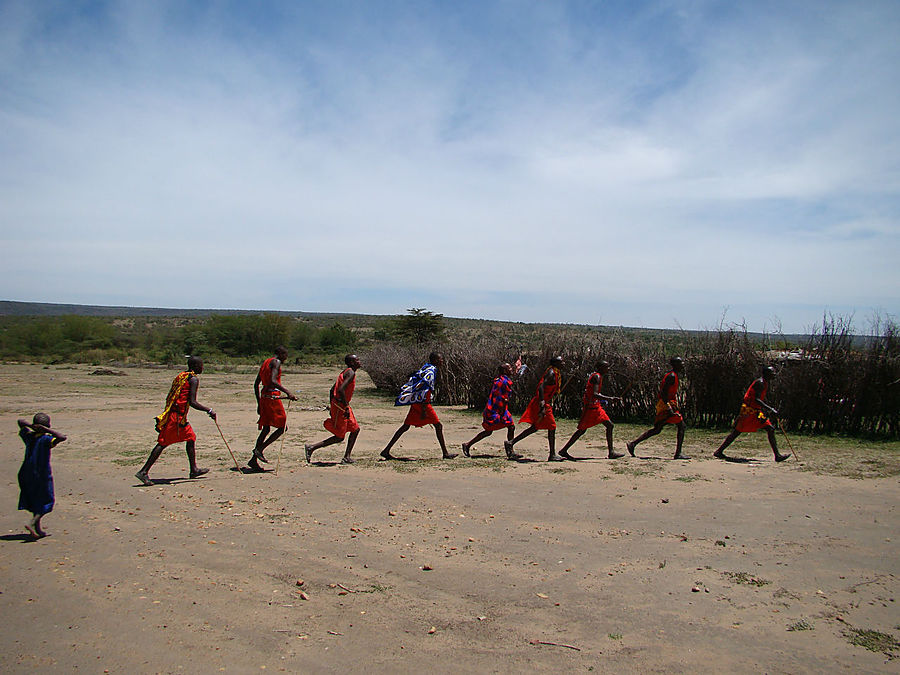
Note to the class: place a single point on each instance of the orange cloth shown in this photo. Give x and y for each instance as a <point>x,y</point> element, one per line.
<point>667,398</point>
<point>591,417</point>
<point>752,418</point>
<point>414,417</point>
<point>664,416</point>
<point>174,432</point>
<point>172,424</point>
<point>271,409</point>
<point>271,413</point>
<point>342,420</point>
<point>532,414</point>
<point>592,412</point>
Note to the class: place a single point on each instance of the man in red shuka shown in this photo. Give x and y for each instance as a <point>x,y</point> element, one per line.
<point>172,424</point>
<point>342,420</point>
<point>269,406</point>
<point>666,410</point>
<point>753,415</point>
<point>593,413</point>
<point>539,413</point>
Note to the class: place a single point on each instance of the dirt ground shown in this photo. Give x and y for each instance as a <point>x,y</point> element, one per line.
<point>637,565</point>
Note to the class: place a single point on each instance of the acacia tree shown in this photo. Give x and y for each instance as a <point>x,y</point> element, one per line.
<point>420,326</point>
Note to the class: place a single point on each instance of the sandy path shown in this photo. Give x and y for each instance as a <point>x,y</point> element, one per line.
<point>200,576</point>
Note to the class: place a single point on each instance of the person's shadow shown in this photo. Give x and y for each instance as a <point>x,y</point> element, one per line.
<point>737,460</point>
<point>25,538</point>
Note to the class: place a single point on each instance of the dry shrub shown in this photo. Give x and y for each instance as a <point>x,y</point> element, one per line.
<point>835,384</point>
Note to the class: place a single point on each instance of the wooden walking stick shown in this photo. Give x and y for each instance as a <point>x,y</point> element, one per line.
<point>794,452</point>
<point>236,465</point>
<point>280,447</point>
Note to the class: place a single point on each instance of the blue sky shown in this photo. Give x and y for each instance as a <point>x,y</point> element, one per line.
<point>653,164</point>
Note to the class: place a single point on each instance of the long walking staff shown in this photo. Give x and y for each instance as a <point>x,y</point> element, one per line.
<point>236,465</point>
<point>796,456</point>
<point>281,447</point>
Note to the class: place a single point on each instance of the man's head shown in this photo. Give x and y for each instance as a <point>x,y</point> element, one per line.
<point>436,359</point>
<point>677,364</point>
<point>505,369</point>
<point>195,364</point>
<point>768,373</point>
<point>602,367</point>
<point>557,362</point>
<point>352,361</point>
<point>42,419</point>
<point>281,352</point>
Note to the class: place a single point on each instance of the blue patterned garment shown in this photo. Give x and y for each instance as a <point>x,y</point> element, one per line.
<point>419,387</point>
<point>35,477</point>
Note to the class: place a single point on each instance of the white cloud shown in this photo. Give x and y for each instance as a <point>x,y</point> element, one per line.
<point>663,163</point>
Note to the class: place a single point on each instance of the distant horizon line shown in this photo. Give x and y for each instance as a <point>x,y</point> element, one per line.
<point>143,310</point>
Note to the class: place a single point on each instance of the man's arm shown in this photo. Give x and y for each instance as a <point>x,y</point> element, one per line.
<point>666,383</point>
<point>192,397</point>
<point>757,386</point>
<point>342,390</point>
<point>275,370</point>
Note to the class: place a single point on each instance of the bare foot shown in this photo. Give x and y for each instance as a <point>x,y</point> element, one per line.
<point>450,456</point>
<point>144,477</point>
<point>615,455</point>
<point>630,446</point>
<point>781,458</point>
<point>259,455</point>
<point>718,454</point>
<point>465,449</point>
<point>512,456</point>
<point>565,455</point>
<point>554,458</point>
<point>386,454</point>
<point>347,460</point>
<point>196,473</point>
<point>680,455</point>
<point>309,452</point>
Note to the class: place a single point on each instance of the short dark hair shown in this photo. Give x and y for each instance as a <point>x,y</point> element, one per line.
<point>676,360</point>
<point>281,349</point>
<point>434,356</point>
<point>556,360</point>
<point>601,363</point>
<point>349,358</point>
<point>41,418</point>
<point>193,362</point>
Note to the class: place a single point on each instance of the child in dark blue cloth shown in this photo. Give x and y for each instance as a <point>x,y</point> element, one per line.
<point>35,478</point>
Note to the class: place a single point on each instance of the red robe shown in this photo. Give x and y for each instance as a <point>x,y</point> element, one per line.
<point>172,425</point>
<point>422,414</point>
<point>667,399</point>
<point>271,409</point>
<point>752,418</point>
<point>342,420</point>
<point>532,413</point>
<point>592,413</point>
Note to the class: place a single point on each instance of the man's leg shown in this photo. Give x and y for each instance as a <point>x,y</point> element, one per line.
<point>773,442</point>
<point>644,436</point>
<point>143,474</point>
<point>729,439</point>
<point>258,448</point>
<point>439,432</point>
<point>310,448</point>
<point>551,441</point>
<point>386,453</point>
<point>510,442</point>
<point>564,453</point>
<point>192,460</point>
<point>610,453</point>
<point>480,436</point>
<point>351,441</point>
<point>679,441</point>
